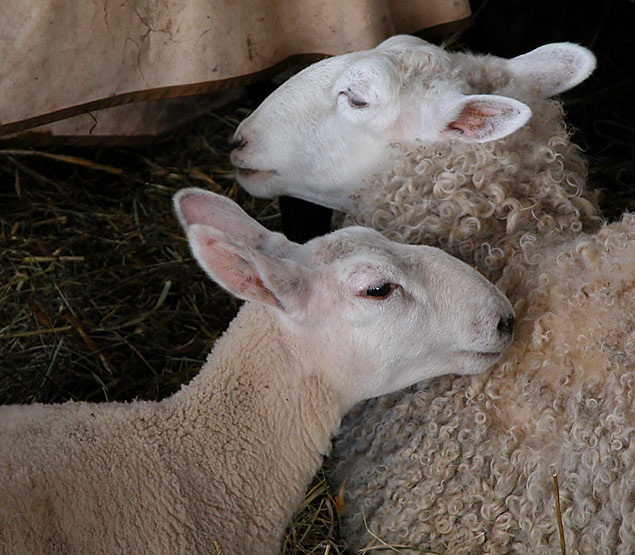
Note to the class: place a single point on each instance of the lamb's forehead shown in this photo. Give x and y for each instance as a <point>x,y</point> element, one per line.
<point>411,65</point>
<point>361,242</point>
<point>427,67</point>
<point>424,60</point>
<point>462,72</point>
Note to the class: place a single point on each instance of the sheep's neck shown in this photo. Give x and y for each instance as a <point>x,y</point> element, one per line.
<point>255,412</point>
<point>493,204</point>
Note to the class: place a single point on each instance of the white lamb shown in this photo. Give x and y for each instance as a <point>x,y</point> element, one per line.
<point>413,141</point>
<point>222,464</point>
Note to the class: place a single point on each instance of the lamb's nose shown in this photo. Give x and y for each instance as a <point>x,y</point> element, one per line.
<point>506,326</point>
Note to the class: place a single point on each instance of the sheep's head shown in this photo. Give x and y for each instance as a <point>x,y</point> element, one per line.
<point>370,315</point>
<point>327,130</point>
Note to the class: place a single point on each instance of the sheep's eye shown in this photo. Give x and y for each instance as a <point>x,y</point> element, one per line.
<point>380,291</point>
<point>357,102</point>
<point>354,101</point>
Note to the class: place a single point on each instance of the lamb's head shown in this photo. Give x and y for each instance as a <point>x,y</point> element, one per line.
<point>388,313</point>
<point>327,130</point>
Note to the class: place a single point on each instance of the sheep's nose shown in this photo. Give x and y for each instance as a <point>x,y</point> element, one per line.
<point>506,326</point>
<point>239,141</point>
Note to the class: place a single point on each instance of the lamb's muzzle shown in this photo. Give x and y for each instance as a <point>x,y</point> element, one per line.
<point>238,141</point>
<point>497,329</point>
<point>493,332</point>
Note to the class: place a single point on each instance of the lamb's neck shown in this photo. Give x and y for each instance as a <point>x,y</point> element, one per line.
<point>261,418</point>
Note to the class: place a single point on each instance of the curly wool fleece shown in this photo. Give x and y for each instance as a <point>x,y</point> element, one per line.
<point>485,202</point>
<point>464,465</point>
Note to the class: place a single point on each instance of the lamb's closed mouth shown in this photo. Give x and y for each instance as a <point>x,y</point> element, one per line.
<point>492,355</point>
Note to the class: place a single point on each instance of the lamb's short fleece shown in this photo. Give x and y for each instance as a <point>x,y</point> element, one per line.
<point>223,463</point>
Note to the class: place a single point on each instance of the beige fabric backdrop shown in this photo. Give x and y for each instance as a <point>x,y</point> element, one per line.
<point>61,58</point>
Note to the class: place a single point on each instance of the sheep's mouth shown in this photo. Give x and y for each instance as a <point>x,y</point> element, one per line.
<point>251,172</point>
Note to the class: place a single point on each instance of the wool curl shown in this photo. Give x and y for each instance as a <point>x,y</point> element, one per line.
<point>465,465</point>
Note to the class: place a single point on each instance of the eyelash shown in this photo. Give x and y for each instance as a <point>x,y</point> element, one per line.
<point>353,101</point>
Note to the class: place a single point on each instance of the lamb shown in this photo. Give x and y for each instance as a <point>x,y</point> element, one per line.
<point>222,464</point>
<point>465,465</point>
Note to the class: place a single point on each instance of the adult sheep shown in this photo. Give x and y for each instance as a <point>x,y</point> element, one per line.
<point>428,146</point>
<point>466,464</point>
<point>222,464</point>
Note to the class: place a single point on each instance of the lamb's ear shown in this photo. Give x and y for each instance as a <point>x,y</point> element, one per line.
<point>482,117</point>
<point>198,206</point>
<point>247,272</point>
<point>555,67</point>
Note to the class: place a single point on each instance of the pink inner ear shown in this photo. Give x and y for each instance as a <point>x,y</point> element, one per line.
<point>232,271</point>
<point>198,210</point>
<point>201,209</point>
<point>474,118</point>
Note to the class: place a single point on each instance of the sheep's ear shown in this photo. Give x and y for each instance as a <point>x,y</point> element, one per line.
<point>555,67</point>
<point>197,206</point>
<point>483,117</point>
<point>246,272</point>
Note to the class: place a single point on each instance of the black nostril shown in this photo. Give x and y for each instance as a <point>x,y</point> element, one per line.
<point>506,325</point>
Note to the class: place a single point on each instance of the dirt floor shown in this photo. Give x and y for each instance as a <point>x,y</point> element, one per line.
<point>99,297</point>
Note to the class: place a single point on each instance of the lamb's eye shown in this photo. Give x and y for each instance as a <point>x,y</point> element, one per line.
<point>380,291</point>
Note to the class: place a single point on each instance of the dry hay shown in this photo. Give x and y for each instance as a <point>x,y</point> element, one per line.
<point>100,299</point>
